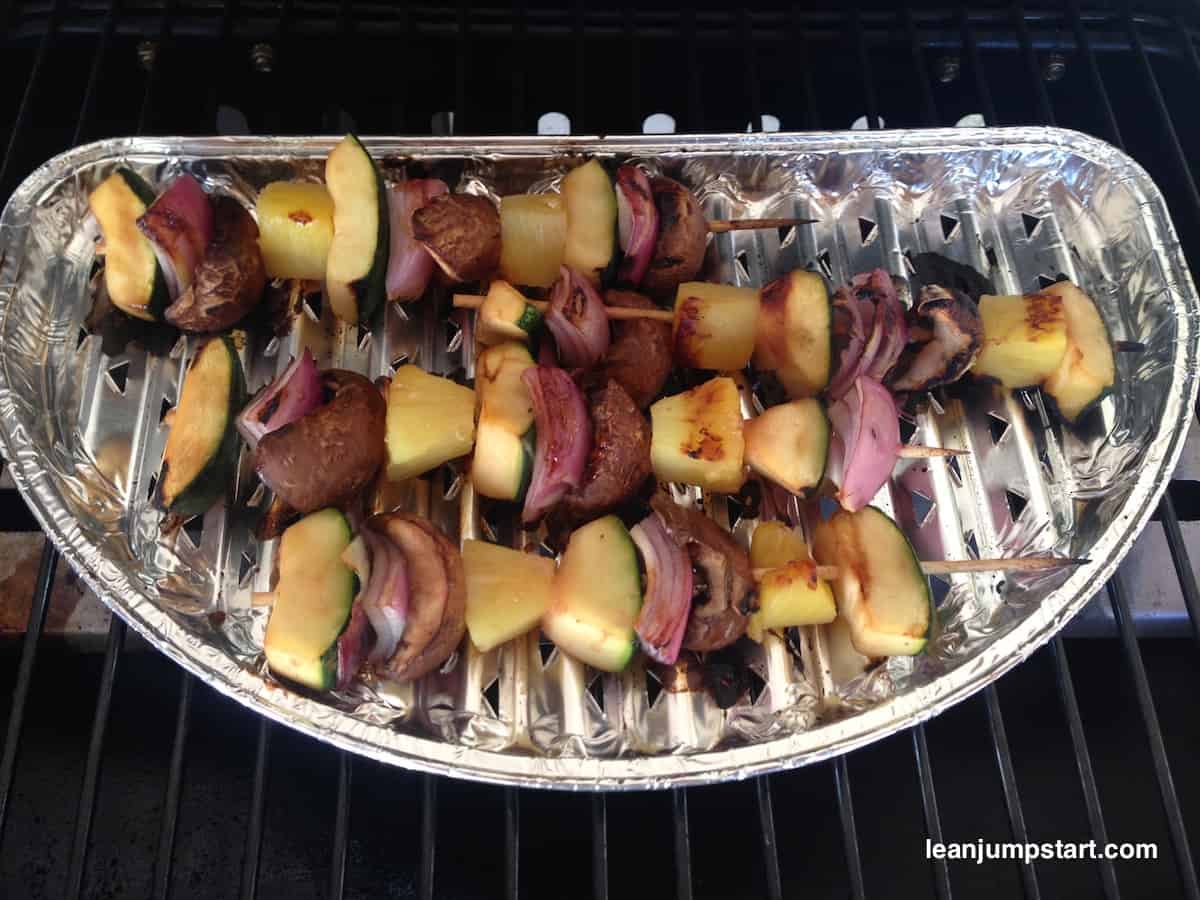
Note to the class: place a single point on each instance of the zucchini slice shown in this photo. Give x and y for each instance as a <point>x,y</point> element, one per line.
<point>597,596</point>
<point>202,446</point>
<point>506,315</point>
<point>356,268</point>
<point>880,590</point>
<point>504,438</point>
<point>313,600</point>
<point>1088,369</point>
<point>795,333</point>
<point>136,285</point>
<point>591,203</point>
<point>789,444</point>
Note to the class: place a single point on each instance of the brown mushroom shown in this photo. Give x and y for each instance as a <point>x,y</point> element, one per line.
<point>461,233</point>
<point>954,343</point>
<point>639,356</point>
<point>682,238</point>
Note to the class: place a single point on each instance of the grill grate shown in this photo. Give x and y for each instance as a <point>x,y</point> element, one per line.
<point>713,69</point>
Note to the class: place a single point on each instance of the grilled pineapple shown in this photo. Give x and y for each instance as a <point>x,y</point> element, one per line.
<point>697,437</point>
<point>1024,338</point>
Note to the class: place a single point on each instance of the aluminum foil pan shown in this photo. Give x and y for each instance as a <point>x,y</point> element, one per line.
<point>81,431</point>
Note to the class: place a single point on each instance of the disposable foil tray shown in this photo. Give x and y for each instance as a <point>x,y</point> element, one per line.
<point>83,435</point>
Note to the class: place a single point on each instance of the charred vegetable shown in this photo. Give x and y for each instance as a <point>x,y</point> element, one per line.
<point>639,356</point>
<point>789,592</point>
<point>789,444</point>
<point>202,446</point>
<point>533,233</point>
<point>866,433</point>
<point>591,204</point>
<point>592,618</point>
<point>312,600</point>
<point>356,267</point>
<point>1087,370</point>
<point>1024,338</point>
<point>667,602</point>
<point>230,279</point>
<point>461,233</point>
<point>179,225</point>
<point>619,461</point>
<point>564,439</point>
<point>430,420</point>
<point>957,335</point>
<point>682,238</point>
<point>795,333</point>
<point>697,437</point>
<point>437,595</point>
<point>578,321</point>
<point>715,325</point>
<point>880,590</point>
<point>133,277</point>
<point>295,225</point>
<point>333,452</point>
<point>508,592</point>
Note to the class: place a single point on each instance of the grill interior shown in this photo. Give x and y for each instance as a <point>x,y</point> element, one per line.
<point>135,781</point>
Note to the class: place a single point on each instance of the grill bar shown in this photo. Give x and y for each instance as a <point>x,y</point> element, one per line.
<point>1158,750</point>
<point>981,86</point>
<point>1083,762</point>
<point>428,836</point>
<point>29,647</point>
<point>170,818</point>
<point>512,844</point>
<point>1031,62</point>
<point>1182,561</point>
<point>864,67</point>
<point>599,847</point>
<point>341,826</point>
<point>91,772</point>
<point>929,114</point>
<point>841,780</point>
<point>47,41</point>
<point>258,802</point>
<point>683,848</point>
<point>1008,778</point>
<point>812,115</point>
<point>929,805</point>
<point>766,819</point>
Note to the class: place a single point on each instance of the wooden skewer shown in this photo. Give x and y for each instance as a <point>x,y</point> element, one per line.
<point>474,301</point>
<point>718,226</point>
<point>916,451</point>
<point>959,566</point>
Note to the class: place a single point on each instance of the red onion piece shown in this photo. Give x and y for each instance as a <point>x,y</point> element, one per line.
<point>564,439</point>
<point>668,600</point>
<point>180,224</point>
<point>578,320</point>
<point>291,396</point>
<point>352,647</point>
<point>854,331</point>
<point>385,601</point>
<point>889,320</point>
<point>866,434</point>
<point>637,223</point>
<point>409,263</point>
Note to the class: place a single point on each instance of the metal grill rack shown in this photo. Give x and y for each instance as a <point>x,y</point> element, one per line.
<point>135,782</point>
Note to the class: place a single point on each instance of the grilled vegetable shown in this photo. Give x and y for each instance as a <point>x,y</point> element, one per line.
<point>639,356</point>
<point>313,600</point>
<point>564,439</point>
<point>795,333</point>
<point>295,229</point>
<point>619,462</point>
<point>230,279</point>
<point>682,238</point>
<point>776,544</point>
<point>1024,338</point>
<point>533,233</point>
<point>132,276</point>
<point>578,320</point>
<point>957,333</point>
<point>430,420</point>
<point>591,205</point>
<point>866,433</point>
<point>697,437</point>
<point>179,224</point>
<point>637,223</point>
<point>356,267</point>
<point>789,592</point>
<point>503,462</point>
<point>667,602</point>
<point>508,592</point>
<point>1087,370</point>
<point>880,589</point>
<point>596,597</point>
<point>329,455</point>
<point>789,444</point>
<point>461,233</point>
<point>715,325</point>
<point>202,446</point>
<point>506,315</point>
<point>294,394</point>
<point>409,264</point>
<point>437,595</point>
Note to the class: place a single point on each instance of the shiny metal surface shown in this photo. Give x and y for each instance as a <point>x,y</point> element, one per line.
<point>82,433</point>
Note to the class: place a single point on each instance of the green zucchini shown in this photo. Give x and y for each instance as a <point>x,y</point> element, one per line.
<point>134,280</point>
<point>591,202</point>
<point>597,596</point>
<point>881,591</point>
<point>504,438</point>
<point>356,268</point>
<point>202,446</point>
<point>506,315</point>
<point>503,463</point>
<point>313,600</point>
<point>1088,370</point>
<point>789,444</point>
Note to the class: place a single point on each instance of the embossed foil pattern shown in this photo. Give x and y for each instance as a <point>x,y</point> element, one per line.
<point>83,436</point>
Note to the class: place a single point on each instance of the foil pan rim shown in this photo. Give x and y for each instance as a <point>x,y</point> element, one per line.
<point>122,596</point>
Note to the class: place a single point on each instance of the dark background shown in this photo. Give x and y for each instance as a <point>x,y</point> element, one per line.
<point>134,781</point>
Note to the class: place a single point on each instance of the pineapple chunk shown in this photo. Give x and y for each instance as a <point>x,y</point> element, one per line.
<point>789,592</point>
<point>429,420</point>
<point>789,443</point>
<point>1088,369</point>
<point>775,544</point>
<point>715,325</point>
<point>533,230</point>
<point>508,591</point>
<point>1024,338</point>
<point>295,228</point>
<point>697,437</point>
